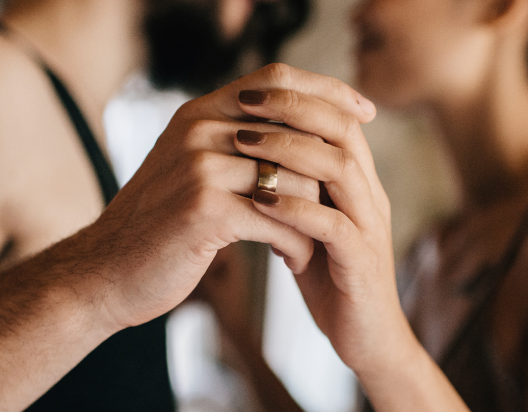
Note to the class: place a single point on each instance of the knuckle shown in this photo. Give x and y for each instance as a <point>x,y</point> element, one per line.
<point>199,127</point>
<point>313,191</point>
<point>348,125</point>
<point>200,165</point>
<point>345,164</point>
<point>292,106</point>
<point>198,132</point>
<point>300,210</point>
<point>344,91</point>
<point>205,203</point>
<point>280,74</point>
<point>307,188</point>
<point>291,100</point>
<point>287,143</point>
<point>341,228</point>
<point>185,109</point>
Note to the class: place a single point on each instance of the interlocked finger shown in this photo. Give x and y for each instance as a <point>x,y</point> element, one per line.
<point>239,175</point>
<point>338,168</point>
<point>313,115</point>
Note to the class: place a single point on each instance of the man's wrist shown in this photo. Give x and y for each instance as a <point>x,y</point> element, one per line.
<point>52,314</point>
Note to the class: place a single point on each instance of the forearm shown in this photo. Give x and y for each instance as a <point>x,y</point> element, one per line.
<point>270,391</point>
<point>411,381</point>
<point>51,311</point>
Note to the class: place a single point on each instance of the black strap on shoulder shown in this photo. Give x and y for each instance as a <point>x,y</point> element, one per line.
<point>101,166</point>
<point>498,274</point>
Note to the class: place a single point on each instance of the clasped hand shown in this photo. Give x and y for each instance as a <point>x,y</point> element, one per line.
<point>192,197</point>
<point>349,283</point>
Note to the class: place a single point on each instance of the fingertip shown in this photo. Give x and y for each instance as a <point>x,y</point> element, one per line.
<point>254,97</point>
<point>295,265</point>
<point>266,198</point>
<point>367,107</point>
<point>299,265</point>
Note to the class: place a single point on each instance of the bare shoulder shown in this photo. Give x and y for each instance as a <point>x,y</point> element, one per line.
<point>18,85</point>
<point>24,105</point>
<point>47,187</point>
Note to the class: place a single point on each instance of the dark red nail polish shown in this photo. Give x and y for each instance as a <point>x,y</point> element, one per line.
<point>249,137</point>
<point>254,97</point>
<point>266,198</point>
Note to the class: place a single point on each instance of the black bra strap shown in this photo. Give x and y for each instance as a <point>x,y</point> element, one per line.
<point>101,166</point>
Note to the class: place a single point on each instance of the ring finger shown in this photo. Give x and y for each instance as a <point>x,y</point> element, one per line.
<point>239,175</point>
<point>338,168</point>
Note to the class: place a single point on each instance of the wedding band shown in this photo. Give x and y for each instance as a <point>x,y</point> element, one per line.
<point>267,178</point>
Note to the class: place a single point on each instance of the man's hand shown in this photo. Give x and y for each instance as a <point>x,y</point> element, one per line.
<point>150,248</point>
<point>192,196</point>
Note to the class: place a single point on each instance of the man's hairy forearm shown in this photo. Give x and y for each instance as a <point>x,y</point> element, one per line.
<point>51,317</point>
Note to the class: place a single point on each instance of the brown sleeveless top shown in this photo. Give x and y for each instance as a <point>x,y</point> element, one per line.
<point>469,358</point>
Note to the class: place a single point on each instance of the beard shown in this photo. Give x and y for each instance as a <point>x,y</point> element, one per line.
<point>186,48</point>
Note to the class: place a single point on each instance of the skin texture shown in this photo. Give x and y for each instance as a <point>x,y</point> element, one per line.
<point>462,65</point>
<point>349,284</point>
<point>151,246</point>
<point>93,47</point>
<point>191,197</point>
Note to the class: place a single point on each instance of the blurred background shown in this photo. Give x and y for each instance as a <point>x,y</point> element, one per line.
<point>412,168</point>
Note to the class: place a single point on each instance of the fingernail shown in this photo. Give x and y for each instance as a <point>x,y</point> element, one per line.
<point>254,97</point>
<point>249,137</point>
<point>366,105</point>
<point>266,198</point>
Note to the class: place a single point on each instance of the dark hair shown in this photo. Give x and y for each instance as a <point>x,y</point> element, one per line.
<point>187,51</point>
<point>273,22</point>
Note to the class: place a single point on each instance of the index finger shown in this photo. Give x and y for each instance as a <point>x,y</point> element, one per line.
<point>282,76</point>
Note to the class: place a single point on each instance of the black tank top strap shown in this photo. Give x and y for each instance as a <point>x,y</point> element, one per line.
<point>127,372</point>
<point>102,168</point>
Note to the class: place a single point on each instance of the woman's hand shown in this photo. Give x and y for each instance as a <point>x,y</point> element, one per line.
<point>151,246</point>
<point>349,284</point>
<point>192,196</point>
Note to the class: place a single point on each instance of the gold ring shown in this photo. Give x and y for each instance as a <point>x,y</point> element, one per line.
<point>267,178</point>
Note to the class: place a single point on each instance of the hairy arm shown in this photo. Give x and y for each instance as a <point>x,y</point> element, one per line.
<point>51,315</point>
<point>152,245</point>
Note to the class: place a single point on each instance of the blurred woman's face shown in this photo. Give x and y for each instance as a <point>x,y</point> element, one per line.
<point>411,52</point>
